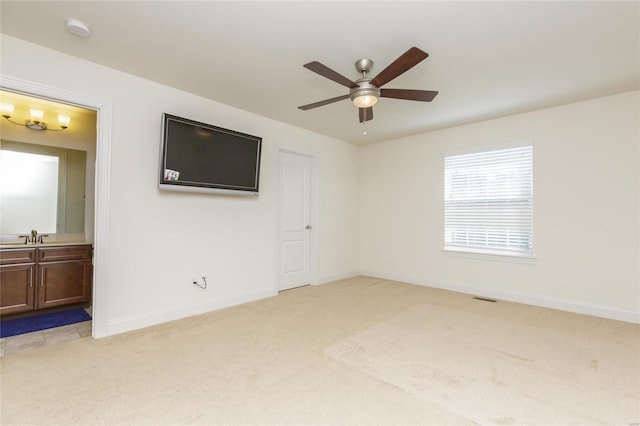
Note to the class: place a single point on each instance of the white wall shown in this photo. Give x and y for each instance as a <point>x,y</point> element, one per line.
<point>380,205</point>
<point>586,212</point>
<point>159,241</point>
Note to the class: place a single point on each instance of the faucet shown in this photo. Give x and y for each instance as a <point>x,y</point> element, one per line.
<point>34,238</point>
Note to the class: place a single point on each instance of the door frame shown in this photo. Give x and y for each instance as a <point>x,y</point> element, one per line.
<point>314,214</point>
<point>102,186</point>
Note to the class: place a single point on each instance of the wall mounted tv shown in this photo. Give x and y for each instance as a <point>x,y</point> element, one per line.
<point>199,157</point>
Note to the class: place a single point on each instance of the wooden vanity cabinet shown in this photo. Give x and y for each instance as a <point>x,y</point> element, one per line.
<point>44,277</point>
<point>64,275</point>
<point>17,280</point>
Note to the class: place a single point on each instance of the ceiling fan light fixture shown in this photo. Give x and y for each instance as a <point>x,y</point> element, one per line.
<point>365,96</point>
<point>365,100</point>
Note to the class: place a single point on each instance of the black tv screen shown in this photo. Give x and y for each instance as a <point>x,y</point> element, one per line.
<point>200,157</point>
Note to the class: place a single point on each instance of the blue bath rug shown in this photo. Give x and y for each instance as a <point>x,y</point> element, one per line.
<point>42,322</point>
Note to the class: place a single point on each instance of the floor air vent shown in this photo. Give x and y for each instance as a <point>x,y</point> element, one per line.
<point>485,299</point>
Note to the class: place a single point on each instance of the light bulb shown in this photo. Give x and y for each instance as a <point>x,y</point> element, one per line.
<point>7,110</point>
<point>365,101</point>
<point>64,121</point>
<point>36,115</point>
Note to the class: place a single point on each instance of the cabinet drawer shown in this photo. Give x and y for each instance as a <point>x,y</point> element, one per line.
<point>54,254</point>
<point>12,256</point>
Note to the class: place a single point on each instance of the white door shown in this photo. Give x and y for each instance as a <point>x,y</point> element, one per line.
<point>295,221</point>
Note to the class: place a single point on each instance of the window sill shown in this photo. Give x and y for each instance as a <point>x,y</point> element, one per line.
<point>489,255</point>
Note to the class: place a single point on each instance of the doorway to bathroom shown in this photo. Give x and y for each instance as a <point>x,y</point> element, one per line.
<point>98,172</point>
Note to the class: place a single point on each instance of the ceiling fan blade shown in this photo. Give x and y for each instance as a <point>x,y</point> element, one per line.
<point>404,63</point>
<point>366,114</point>
<point>327,72</point>
<point>325,102</point>
<point>408,94</point>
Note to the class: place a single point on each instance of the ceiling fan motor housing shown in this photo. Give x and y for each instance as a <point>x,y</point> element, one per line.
<point>364,65</point>
<point>364,88</point>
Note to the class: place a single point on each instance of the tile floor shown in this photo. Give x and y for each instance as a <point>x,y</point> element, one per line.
<point>25,342</point>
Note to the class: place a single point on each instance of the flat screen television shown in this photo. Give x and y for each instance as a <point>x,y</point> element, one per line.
<point>199,157</point>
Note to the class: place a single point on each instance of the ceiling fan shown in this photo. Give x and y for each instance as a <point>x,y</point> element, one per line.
<point>364,92</point>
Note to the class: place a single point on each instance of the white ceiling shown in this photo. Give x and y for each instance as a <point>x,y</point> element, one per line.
<point>487,59</point>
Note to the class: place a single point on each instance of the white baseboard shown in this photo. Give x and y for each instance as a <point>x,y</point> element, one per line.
<point>154,318</point>
<point>541,301</point>
<point>331,278</point>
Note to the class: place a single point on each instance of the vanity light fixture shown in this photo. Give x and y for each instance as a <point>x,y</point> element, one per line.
<point>36,121</point>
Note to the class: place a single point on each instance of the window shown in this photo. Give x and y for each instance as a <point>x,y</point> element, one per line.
<point>488,205</point>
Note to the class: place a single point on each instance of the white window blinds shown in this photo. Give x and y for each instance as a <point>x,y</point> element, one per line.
<point>488,205</point>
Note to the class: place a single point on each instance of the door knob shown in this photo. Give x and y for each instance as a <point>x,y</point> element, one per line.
<point>307,227</point>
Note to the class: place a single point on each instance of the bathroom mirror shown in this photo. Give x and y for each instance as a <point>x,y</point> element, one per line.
<point>41,187</point>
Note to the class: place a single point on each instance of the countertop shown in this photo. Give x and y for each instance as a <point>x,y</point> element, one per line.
<point>18,245</point>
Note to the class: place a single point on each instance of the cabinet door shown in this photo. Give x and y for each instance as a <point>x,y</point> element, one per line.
<point>63,283</point>
<point>17,288</point>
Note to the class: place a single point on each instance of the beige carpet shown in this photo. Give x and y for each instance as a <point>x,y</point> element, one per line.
<point>360,351</point>
<point>500,371</point>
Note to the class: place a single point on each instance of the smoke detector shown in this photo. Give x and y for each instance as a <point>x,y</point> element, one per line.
<point>78,28</point>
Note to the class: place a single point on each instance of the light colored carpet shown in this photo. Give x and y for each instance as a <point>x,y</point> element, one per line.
<point>360,351</point>
<point>500,371</point>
